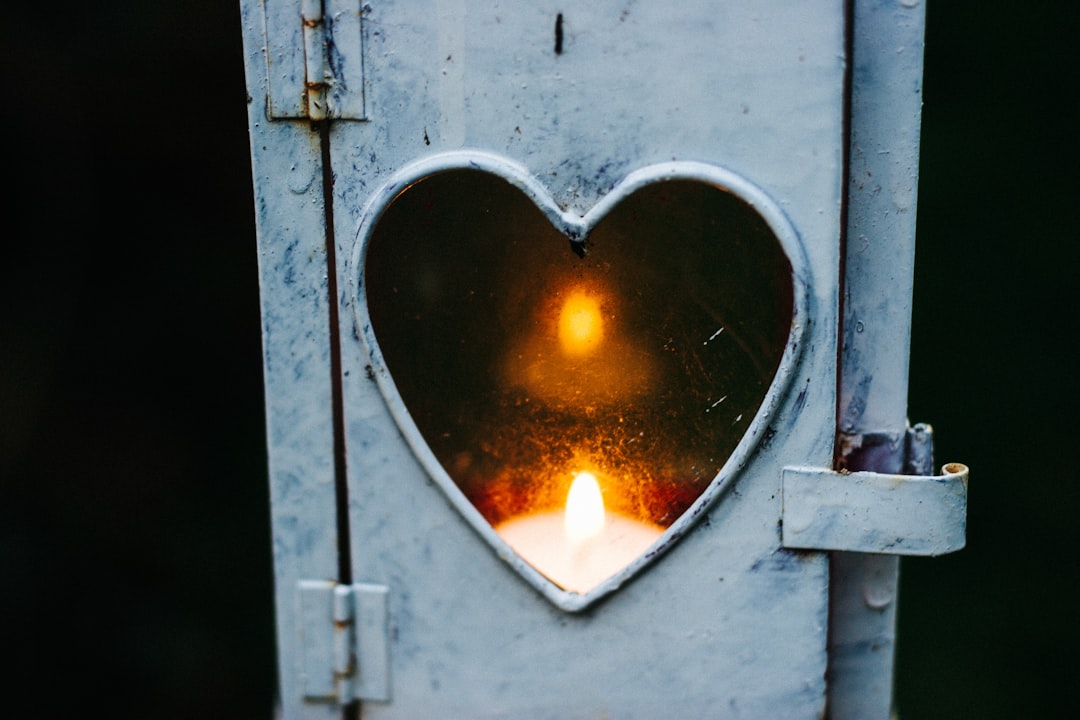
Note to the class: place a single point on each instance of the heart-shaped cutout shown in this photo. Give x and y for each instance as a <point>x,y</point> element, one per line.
<point>633,351</point>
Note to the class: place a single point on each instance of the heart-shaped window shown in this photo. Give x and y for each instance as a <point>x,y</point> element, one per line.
<point>578,385</point>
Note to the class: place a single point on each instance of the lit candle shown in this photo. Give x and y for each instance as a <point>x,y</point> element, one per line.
<point>583,545</point>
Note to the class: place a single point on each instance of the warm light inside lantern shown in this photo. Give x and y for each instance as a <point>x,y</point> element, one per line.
<point>574,349</point>
<point>583,544</point>
<point>581,326</point>
<point>525,365</point>
<point>584,509</point>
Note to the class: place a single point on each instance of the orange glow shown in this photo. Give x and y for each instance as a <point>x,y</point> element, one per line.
<point>584,509</point>
<point>574,352</point>
<point>582,545</point>
<point>581,327</point>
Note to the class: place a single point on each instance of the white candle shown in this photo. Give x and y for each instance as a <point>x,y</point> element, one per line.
<point>581,546</point>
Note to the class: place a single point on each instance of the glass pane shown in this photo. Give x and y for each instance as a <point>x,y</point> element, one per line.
<point>524,365</point>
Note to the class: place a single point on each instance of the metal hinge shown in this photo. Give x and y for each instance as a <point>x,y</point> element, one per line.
<point>875,512</point>
<point>314,59</point>
<point>869,512</point>
<point>344,648</point>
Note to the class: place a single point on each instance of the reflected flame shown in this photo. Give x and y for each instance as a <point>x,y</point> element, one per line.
<point>572,351</point>
<point>584,509</point>
<point>581,327</point>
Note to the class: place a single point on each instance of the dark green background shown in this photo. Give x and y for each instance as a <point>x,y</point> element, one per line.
<point>135,570</point>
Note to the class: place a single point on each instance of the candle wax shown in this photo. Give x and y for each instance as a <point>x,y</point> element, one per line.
<point>541,539</point>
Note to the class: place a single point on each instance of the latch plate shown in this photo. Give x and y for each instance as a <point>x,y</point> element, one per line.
<point>875,512</point>
<point>314,59</point>
<point>345,652</point>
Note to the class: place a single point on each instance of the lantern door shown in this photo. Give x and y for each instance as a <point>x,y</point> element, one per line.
<point>678,175</point>
<point>551,305</point>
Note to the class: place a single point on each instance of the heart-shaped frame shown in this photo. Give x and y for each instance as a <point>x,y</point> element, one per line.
<point>577,229</point>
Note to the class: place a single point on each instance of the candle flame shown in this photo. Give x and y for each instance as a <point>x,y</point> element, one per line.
<point>584,509</point>
<point>581,326</point>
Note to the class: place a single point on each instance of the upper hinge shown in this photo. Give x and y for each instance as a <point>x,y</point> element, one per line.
<point>345,653</point>
<point>314,59</point>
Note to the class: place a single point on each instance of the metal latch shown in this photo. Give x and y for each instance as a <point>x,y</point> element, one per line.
<point>875,512</point>
<point>314,59</point>
<point>345,653</point>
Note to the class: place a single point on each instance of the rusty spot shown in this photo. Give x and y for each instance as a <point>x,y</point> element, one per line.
<point>801,553</point>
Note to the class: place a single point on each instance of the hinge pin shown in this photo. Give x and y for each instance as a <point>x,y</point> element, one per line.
<point>314,58</point>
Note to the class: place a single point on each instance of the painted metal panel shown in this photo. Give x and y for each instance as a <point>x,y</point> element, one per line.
<point>345,57</point>
<point>290,227</point>
<point>372,644</point>
<point>886,106</point>
<point>286,94</point>
<point>727,622</point>
<point>886,98</point>
<point>316,652</point>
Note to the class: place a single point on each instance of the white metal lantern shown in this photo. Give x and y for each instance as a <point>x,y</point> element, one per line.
<point>585,338</point>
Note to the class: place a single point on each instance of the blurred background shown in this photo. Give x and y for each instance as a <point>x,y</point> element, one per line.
<point>135,574</point>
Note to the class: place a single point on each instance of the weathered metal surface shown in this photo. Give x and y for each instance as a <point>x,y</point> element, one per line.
<point>875,512</point>
<point>345,55</point>
<point>372,642</point>
<point>318,679</point>
<point>314,59</point>
<point>727,621</point>
<point>344,651</point>
<point>287,176</point>
<point>919,450</point>
<point>316,70</point>
<point>282,31</point>
<point>886,106</point>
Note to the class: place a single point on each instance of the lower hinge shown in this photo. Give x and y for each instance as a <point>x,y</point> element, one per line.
<point>345,652</point>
